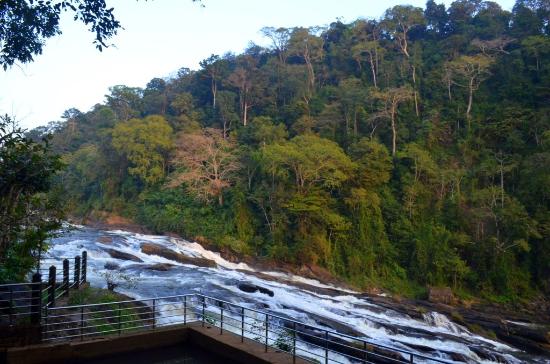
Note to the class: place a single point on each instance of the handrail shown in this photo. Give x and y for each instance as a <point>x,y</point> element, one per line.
<point>43,293</point>
<point>204,308</point>
<point>127,301</point>
<point>19,284</point>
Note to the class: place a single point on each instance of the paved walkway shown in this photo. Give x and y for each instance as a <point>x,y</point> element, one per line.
<point>249,351</point>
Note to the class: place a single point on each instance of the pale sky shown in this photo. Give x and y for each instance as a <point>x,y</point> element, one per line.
<point>159,37</point>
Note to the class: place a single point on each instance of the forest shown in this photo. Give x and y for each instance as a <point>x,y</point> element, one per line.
<point>402,152</point>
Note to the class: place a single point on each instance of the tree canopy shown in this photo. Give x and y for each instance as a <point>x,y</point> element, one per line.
<point>401,152</point>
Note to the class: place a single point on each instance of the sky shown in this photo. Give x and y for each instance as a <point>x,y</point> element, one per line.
<point>159,37</point>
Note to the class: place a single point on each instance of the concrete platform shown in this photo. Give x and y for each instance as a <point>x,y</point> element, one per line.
<point>209,339</point>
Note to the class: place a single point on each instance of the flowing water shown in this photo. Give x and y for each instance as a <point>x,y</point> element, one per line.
<point>436,335</point>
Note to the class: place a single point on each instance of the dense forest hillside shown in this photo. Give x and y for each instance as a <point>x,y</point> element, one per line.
<point>402,152</point>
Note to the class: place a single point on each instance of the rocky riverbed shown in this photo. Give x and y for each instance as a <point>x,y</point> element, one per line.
<point>164,265</point>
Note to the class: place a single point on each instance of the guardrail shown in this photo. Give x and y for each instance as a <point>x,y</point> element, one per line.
<point>21,302</point>
<point>300,340</point>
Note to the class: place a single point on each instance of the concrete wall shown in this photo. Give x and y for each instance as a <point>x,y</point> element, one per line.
<point>227,345</point>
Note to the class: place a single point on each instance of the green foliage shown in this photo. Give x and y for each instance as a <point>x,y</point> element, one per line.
<point>399,153</point>
<point>29,216</point>
<point>24,26</point>
<point>146,143</point>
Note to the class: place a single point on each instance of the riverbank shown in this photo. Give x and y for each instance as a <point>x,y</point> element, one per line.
<point>523,325</point>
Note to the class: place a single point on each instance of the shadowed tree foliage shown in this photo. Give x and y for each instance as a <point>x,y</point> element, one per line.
<point>28,215</point>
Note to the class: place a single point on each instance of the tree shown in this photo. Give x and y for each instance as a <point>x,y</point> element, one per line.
<point>305,44</point>
<point>436,18</point>
<point>352,96</point>
<point>537,47</point>
<point>248,79</point>
<point>25,25</point>
<point>311,161</point>
<point>308,167</point>
<point>125,101</point>
<point>208,164</point>
<point>214,67</point>
<point>28,216</point>
<point>226,111</point>
<point>471,71</point>
<point>391,99</point>
<point>368,47</point>
<point>146,143</point>
<point>279,39</point>
<point>374,163</point>
<point>399,21</point>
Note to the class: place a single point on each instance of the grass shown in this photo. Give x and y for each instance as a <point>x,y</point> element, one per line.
<point>89,295</point>
<point>117,318</point>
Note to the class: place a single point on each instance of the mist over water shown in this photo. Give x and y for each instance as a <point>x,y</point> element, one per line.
<point>436,335</point>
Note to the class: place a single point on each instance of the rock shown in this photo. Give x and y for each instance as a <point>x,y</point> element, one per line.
<point>441,295</point>
<point>161,267</point>
<point>105,239</point>
<point>251,288</point>
<point>123,256</point>
<point>111,266</point>
<point>266,291</point>
<point>153,249</point>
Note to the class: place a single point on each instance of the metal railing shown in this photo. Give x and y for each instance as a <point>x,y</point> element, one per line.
<point>18,301</point>
<point>274,332</point>
<point>24,302</point>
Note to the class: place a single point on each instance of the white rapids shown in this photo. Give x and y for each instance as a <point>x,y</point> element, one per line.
<point>436,335</point>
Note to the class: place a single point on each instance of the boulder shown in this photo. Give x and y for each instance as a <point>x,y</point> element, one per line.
<point>251,288</point>
<point>161,267</point>
<point>105,239</point>
<point>154,249</point>
<point>441,295</point>
<point>123,256</point>
<point>111,266</point>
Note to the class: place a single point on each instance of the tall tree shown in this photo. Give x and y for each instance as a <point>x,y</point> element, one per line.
<point>399,22</point>
<point>368,48</point>
<point>146,143</point>
<point>208,163</point>
<point>214,67</point>
<point>305,44</point>
<point>391,99</point>
<point>470,72</point>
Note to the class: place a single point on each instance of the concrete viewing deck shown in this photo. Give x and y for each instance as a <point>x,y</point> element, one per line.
<point>224,345</point>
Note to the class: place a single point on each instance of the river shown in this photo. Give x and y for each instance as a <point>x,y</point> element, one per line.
<point>435,335</point>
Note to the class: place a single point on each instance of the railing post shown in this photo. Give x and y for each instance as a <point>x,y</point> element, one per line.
<point>221,319</point>
<point>266,331</point>
<point>84,266</point>
<point>326,347</point>
<point>36,298</point>
<point>66,276</point>
<point>11,305</point>
<point>185,310</point>
<point>82,323</point>
<point>46,331</point>
<point>203,308</point>
<point>293,342</point>
<point>77,272</point>
<point>51,286</point>
<point>242,324</point>
<point>411,358</point>
<point>119,320</point>
<point>154,314</point>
